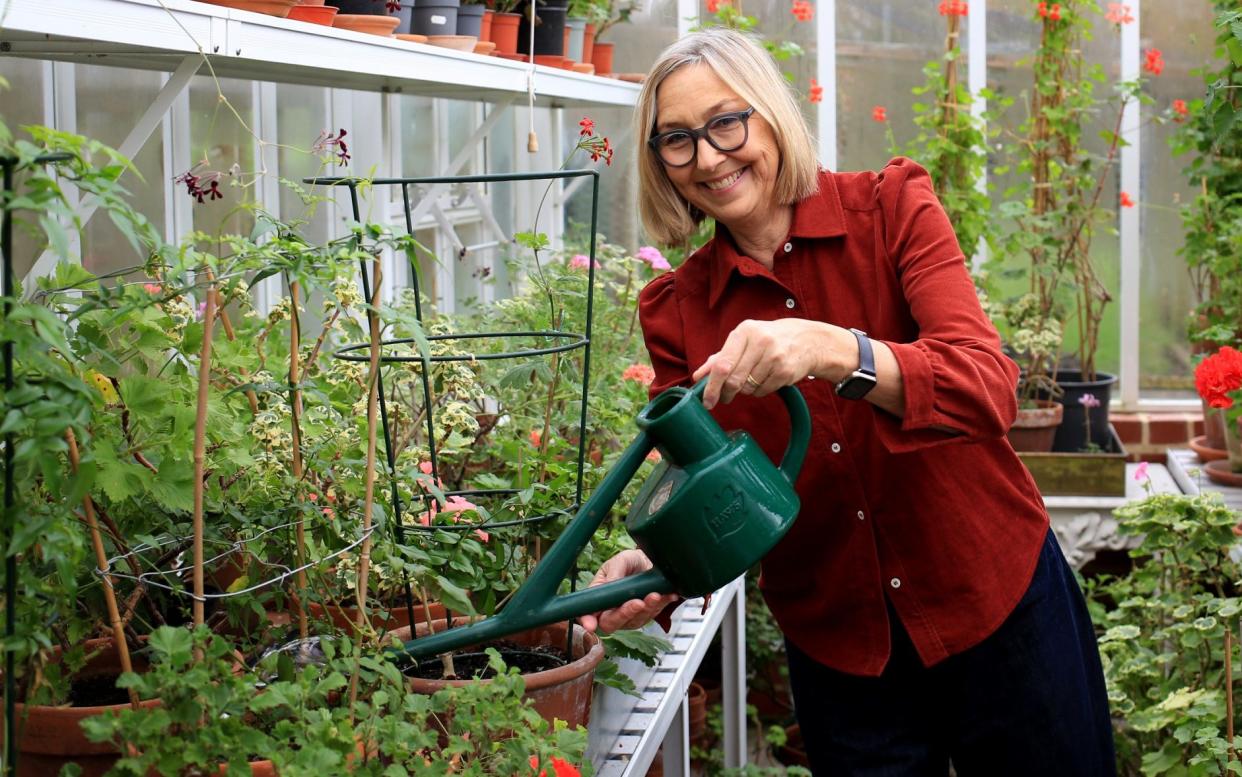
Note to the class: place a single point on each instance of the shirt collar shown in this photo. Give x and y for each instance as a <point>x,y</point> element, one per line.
<point>817,216</point>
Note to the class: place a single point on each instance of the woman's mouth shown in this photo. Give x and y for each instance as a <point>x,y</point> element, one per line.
<point>725,183</point>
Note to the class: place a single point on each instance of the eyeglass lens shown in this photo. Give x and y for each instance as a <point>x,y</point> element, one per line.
<point>725,133</point>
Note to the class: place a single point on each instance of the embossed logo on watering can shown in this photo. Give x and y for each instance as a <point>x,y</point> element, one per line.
<point>726,512</point>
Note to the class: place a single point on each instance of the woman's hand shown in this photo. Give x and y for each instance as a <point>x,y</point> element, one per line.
<point>635,613</point>
<point>760,357</point>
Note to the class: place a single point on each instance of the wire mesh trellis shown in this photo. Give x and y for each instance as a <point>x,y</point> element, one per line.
<point>566,342</point>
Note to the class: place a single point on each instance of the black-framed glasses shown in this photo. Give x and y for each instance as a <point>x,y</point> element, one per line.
<point>726,132</point>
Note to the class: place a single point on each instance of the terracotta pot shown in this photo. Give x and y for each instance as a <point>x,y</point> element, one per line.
<point>1219,472</point>
<point>1035,427</point>
<point>562,693</point>
<point>270,7</point>
<point>696,695</point>
<point>51,737</point>
<point>315,14</point>
<point>505,32</point>
<point>1213,426</point>
<point>485,30</point>
<point>793,752</point>
<point>601,57</point>
<point>383,619</point>
<point>588,42</point>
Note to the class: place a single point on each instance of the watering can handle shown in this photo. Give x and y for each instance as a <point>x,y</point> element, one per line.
<point>799,428</point>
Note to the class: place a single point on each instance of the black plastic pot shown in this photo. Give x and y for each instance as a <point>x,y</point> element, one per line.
<point>549,29</point>
<point>436,17</point>
<point>406,15</point>
<point>470,19</point>
<point>367,7</point>
<point>1072,433</point>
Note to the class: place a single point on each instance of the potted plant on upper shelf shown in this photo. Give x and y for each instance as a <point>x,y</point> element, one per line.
<point>1054,212</point>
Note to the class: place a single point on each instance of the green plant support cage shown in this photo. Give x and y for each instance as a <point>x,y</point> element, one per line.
<point>557,342</point>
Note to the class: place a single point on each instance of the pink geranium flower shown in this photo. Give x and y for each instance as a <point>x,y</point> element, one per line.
<point>639,373</point>
<point>652,256</point>
<point>582,262</point>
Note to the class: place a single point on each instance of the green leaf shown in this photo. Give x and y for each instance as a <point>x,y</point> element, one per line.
<point>454,597</point>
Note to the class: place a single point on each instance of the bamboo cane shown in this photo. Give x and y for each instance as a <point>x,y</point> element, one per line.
<point>295,414</point>
<point>200,436</point>
<point>101,558</point>
<point>364,560</point>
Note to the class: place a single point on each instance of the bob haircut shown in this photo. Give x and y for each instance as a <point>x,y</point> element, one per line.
<point>748,70</point>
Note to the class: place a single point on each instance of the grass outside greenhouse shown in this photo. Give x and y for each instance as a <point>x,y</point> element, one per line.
<point>307,359</point>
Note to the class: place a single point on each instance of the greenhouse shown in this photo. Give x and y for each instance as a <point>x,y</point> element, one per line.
<point>620,387</point>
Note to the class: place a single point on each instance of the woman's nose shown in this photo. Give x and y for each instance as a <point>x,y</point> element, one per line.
<point>706,155</point>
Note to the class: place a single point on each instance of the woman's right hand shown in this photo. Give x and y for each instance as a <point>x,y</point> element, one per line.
<point>635,613</point>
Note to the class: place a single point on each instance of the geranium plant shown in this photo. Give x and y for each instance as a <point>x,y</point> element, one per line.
<point>1218,379</point>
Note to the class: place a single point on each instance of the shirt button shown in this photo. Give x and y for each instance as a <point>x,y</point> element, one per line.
<point>789,303</point>
<point>862,516</point>
<point>836,447</point>
<point>895,582</point>
<point>788,247</point>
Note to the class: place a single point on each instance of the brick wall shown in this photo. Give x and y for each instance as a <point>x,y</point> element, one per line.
<point>1148,435</point>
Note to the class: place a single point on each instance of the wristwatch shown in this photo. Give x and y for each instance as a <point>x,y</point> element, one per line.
<point>860,381</point>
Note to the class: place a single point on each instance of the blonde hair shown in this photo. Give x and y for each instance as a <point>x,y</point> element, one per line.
<point>749,71</point>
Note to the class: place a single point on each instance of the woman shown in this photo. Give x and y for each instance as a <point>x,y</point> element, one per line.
<point>928,612</point>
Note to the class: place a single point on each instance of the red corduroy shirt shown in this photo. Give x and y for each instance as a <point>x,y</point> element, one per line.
<point>932,510</point>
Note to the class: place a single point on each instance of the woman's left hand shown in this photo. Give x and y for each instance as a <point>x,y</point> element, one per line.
<point>760,357</point>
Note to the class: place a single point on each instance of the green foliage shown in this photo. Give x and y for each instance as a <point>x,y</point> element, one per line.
<point>1163,636</point>
<point>215,713</point>
<point>952,143</point>
<point>1212,134</point>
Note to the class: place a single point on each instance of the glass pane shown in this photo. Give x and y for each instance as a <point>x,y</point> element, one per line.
<point>1186,41</point>
<point>301,114</point>
<point>109,100</point>
<point>881,50</point>
<point>222,145</point>
<point>418,137</point>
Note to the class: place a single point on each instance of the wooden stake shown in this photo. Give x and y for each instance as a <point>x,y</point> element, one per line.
<point>200,437</point>
<point>364,560</point>
<point>101,558</point>
<point>295,415</point>
<point>1229,687</point>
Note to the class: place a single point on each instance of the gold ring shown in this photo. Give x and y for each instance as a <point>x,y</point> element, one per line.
<point>751,380</point>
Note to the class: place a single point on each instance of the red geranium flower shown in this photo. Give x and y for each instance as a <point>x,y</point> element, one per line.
<point>816,93</point>
<point>879,113</point>
<point>802,10</point>
<point>1179,107</point>
<point>1119,13</point>
<point>1218,376</point>
<point>1050,11</point>
<point>1154,63</point>
<point>1126,200</point>
<point>588,126</point>
<point>954,8</point>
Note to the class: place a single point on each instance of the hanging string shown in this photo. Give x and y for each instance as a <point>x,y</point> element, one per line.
<point>532,140</point>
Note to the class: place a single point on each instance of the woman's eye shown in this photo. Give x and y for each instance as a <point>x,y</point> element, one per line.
<point>674,139</point>
<point>726,123</point>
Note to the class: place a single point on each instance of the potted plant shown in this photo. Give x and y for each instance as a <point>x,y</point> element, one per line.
<point>1055,212</point>
<point>1218,379</point>
<point>1210,221</point>
<point>504,29</point>
<point>1168,636</point>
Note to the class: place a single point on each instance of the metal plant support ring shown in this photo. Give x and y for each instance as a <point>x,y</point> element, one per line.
<point>576,341</point>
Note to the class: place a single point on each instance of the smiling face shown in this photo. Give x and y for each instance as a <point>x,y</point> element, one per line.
<point>737,188</point>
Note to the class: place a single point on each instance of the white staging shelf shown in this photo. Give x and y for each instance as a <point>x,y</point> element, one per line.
<point>626,732</point>
<point>160,34</point>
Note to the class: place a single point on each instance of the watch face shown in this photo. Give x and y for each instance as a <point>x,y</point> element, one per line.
<point>855,386</point>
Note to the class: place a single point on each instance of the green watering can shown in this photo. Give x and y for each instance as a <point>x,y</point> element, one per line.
<point>713,507</point>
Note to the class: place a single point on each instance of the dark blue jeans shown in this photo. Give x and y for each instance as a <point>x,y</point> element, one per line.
<point>1028,700</point>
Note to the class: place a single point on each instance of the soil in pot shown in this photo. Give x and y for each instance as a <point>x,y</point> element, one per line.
<point>472,665</point>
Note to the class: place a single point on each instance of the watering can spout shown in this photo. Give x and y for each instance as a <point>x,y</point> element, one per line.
<point>712,508</point>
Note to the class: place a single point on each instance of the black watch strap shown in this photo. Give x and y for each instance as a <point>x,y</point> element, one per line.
<point>862,380</point>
